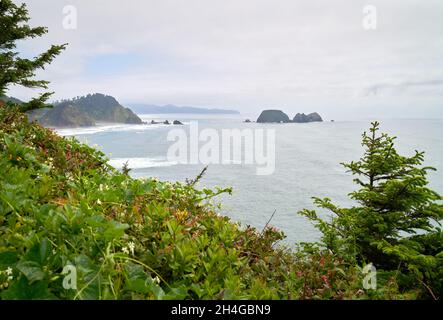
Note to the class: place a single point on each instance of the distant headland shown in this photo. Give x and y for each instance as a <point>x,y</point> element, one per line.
<point>170,108</point>
<point>85,111</point>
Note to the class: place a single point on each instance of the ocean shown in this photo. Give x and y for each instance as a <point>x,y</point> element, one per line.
<point>307,163</point>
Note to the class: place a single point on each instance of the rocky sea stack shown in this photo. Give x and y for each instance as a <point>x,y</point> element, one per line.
<point>273,116</point>
<point>303,118</point>
<point>278,116</point>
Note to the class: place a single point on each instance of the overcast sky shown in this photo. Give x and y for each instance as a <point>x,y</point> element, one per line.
<point>298,56</point>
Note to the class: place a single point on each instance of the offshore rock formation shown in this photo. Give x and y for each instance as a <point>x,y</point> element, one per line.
<point>303,118</point>
<point>273,116</point>
<point>278,116</point>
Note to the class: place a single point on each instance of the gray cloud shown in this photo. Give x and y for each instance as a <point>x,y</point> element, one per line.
<point>249,54</point>
<point>403,86</point>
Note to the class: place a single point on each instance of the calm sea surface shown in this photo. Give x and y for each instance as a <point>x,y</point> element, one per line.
<point>307,156</point>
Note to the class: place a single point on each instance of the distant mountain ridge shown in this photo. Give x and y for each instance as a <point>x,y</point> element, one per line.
<point>85,111</point>
<point>170,108</point>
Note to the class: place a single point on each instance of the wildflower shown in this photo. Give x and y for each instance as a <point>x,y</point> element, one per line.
<point>9,271</point>
<point>99,202</point>
<point>131,246</point>
<point>157,280</point>
<point>326,281</point>
<point>125,250</point>
<point>10,278</point>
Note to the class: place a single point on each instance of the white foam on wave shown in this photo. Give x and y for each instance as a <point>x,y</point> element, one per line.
<point>139,128</point>
<point>141,163</point>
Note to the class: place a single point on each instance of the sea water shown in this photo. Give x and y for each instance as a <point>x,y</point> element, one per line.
<point>308,161</point>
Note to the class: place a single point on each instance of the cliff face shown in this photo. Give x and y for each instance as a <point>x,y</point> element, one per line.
<point>104,108</point>
<point>66,116</point>
<point>273,116</point>
<point>85,111</point>
<point>312,117</point>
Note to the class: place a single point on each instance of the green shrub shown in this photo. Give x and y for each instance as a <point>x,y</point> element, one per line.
<point>394,224</point>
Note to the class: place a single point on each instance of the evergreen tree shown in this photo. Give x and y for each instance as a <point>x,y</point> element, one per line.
<point>394,223</point>
<point>13,69</point>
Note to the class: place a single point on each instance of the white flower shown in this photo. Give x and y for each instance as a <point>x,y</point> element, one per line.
<point>99,202</point>
<point>131,246</point>
<point>10,278</point>
<point>125,250</point>
<point>9,271</point>
<point>157,280</point>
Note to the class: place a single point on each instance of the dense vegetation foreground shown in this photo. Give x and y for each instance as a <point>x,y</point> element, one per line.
<point>72,227</point>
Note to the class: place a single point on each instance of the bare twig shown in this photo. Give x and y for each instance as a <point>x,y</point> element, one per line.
<point>428,288</point>
<point>193,182</point>
<point>267,223</point>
